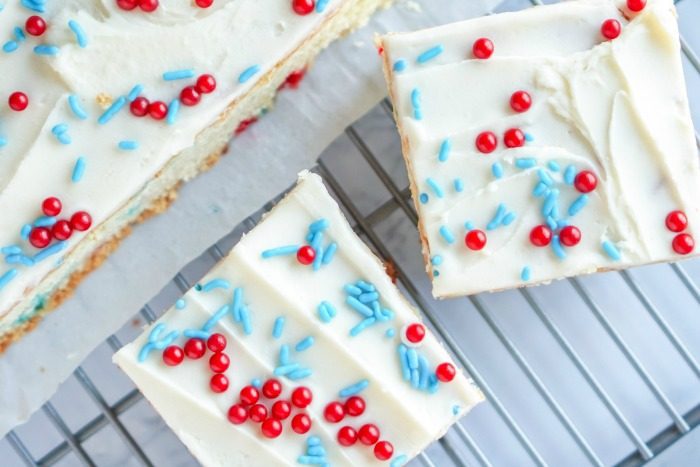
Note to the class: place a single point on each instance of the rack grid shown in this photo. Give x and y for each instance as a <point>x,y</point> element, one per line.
<point>599,370</point>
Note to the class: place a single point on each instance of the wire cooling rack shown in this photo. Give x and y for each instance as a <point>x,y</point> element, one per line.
<point>598,370</point>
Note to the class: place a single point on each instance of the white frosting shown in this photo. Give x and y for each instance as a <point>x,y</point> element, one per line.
<point>617,108</point>
<point>279,286</point>
<point>123,49</point>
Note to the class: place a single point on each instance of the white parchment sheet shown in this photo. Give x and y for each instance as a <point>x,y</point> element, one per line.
<point>344,83</point>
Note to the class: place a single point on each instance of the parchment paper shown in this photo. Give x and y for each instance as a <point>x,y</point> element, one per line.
<point>344,83</point>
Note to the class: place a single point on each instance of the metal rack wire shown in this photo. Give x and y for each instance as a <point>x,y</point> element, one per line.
<point>502,417</point>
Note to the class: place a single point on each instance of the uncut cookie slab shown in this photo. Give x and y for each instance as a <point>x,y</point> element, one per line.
<point>298,349</point>
<point>547,143</point>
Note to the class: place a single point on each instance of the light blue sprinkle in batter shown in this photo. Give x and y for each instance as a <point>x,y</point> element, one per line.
<point>128,145</point>
<point>76,107</point>
<point>578,204</point>
<point>400,65</point>
<point>545,177</point>
<point>437,189</point>
<point>45,221</point>
<point>445,148</point>
<point>24,232</point>
<point>525,274</point>
<point>112,110</point>
<point>10,46</point>
<point>7,277</point>
<point>304,344</point>
<point>45,49</point>
<point>497,170</point>
<point>329,253</point>
<point>78,170</point>
<point>497,219</point>
<point>553,166</point>
<point>215,284</point>
<point>525,162</point>
<point>611,250</point>
<point>354,389</point>
<point>508,218</point>
<point>447,235</point>
<point>557,248</point>
<point>278,327</point>
<point>248,73</point>
<point>569,174</point>
<point>173,110</point>
<point>415,101</point>
<point>80,35</point>
<point>134,93</point>
<point>173,75</point>
<point>280,251</point>
<point>430,54</point>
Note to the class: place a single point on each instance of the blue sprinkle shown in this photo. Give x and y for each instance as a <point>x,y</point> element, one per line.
<point>215,318</point>
<point>430,54</point>
<point>469,225</point>
<point>557,248</point>
<point>19,259</point>
<point>134,93</point>
<point>436,260</point>
<point>329,253</point>
<point>312,460</point>
<point>216,284</point>
<point>256,382</point>
<point>423,371</point>
<point>578,204</point>
<point>285,369</point>
<point>437,189</point>
<point>248,73</point>
<point>315,451</point>
<point>64,138</point>
<point>400,65</point>
<point>508,218</point>
<point>540,189</point>
<point>49,251</point>
<point>128,145</point>
<point>284,355</point>
<point>456,409</point>
<point>423,198</point>
<point>611,250</point>
<point>525,162</point>
<point>319,225</point>
<point>525,274</point>
<point>356,305</point>
<point>352,289</point>
<point>45,49</point>
<point>301,373</point>
<point>112,110</point>
<point>304,344</point>
<point>551,223</point>
<point>76,108</point>
<point>245,319</point>
<point>497,169</point>
<point>412,358</point>
<point>415,101</point>
<point>178,74</point>
<point>399,461</point>
<point>180,303</point>
<point>498,217</point>
<point>415,378</point>
<point>313,441</point>
<point>447,235</point>
<point>173,110</point>
<point>366,286</point>
<point>445,149</point>
<point>278,327</point>
<point>33,5</point>
<point>459,185</point>
<point>321,5</point>
<point>569,175</point>
<point>550,202</point>
<point>237,302</point>
<point>19,34</point>
<point>390,332</point>
<point>316,240</point>
<point>78,170</point>
<point>11,250</point>
<point>24,232</point>
<point>318,258</point>
<point>368,297</point>
<point>553,166</point>
<point>529,138</point>
<point>364,324</point>
<point>545,177</point>
<point>45,221</point>
<point>280,251</point>
<point>354,389</point>
<point>7,277</point>
<point>10,46</point>
<point>196,334</point>
<point>561,223</point>
<point>79,33</point>
<point>405,370</point>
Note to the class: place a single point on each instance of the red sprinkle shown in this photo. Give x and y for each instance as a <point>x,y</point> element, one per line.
<point>272,388</point>
<point>216,342</point>
<point>195,348</point>
<point>173,355</point>
<point>514,138</point>
<point>585,181</point>
<point>237,414</point>
<point>355,406</point>
<point>520,101</point>
<point>347,436</point>
<point>148,5</point>
<point>295,78</point>
<point>218,383</point>
<point>683,244</point>
<point>303,7</point>
<point>368,434</point>
<point>301,423</point>
<point>676,221</point>
<point>249,395</point>
<point>139,106</point>
<point>306,255</point>
<point>81,221</point>
<point>219,362</point>
<point>281,410</point>
<point>40,237</point>
<point>482,48</point>
<point>51,206</point>
<point>204,3</point>
<point>257,413</point>
<point>475,239</point>
<point>271,428</point>
<point>243,126</point>
<point>61,230</point>
<point>570,235</point>
<point>610,29</point>
<point>383,450</point>
<point>127,4</point>
<point>302,397</point>
<point>334,412</point>
<point>157,110</point>
<point>18,101</point>
<point>486,142</point>
<point>445,372</point>
<point>540,235</point>
<point>35,25</point>
<point>636,5</point>
<point>205,83</point>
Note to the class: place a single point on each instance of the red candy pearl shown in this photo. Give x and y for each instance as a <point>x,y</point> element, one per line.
<point>303,7</point>
<point>355,406</point>
<point>281,410</point>
<point>218,383</point>
<point>204,3</point>
<point>445,372</point>
<point>383,450</point>
<point>570,235</point>
<point>514,138</point>
<point>271,428</point>
<point>347,436</point>
<point>61,230</point>
<point>540,235</point>
<point>219,362</point>
<point>368,434</point>
<point>249,395</point>
<point>216,342</point>
<point>35,25</point>
<point>475,239</point>
<point>610,28</point>
<point>257,413</point>
<point>683,244</point>
<point>415,333</point>
<point>195,348</point>
<point>302,397</point>
<point>237,414</point>
<point>676,221</point>
<point>334,412</point>
<point>486,142</point>
<point>190,96</point>
<point>148,5</point>
<point>173,355</point>
<point>51,206</point>
<point>18,101</point>
<point>482,48</point>
<point>306,255</point>
<point>157,110</point>
<point>127,4</point>
<point>272,388</point>
<point>585,181</point>
<point>520,101</point>
<point>81,221</point>
<point>139,106</point>
<point>205,83</point>
<point>636,5</point>
<point>301,423</point>
<point>40,237</point>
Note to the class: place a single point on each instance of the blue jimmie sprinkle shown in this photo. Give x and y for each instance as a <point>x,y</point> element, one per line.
<point>430,54</point>
<point>19,259</point>
<point>611,250</point>
<point>10,46</point>
<point>540,190</point>
<point>319,225</point>
<point>79,33</point>
<point>128,145</point>
<point>173,110</point>
<point>447,235</point>
<point>399,461</point>
<point>525,274</point>
<point>20,36</point>
<point>459,185</point>
<point>415,101</point>
<point>549,206</point>
<point>557,248</point>
<point>245,319</point>
<point>248,73</point>
<point>180,303</point>
<point>390,332</point>
<point>45,49</point>
<point>285,369</point>
<point>78,170</point>
<point>551,223</point>
<point>400,65</point>
<point>7,277</point>
<point>34,5</point>
<point>358,306</point>
<point>215,284</point>
<point>569,175</point>
<point>304,344</point>
<point>326,312</point>
<point>280,251</point>
<point>329,253</point>
<point>529,138</point>
<point>525,162</point>
<point>497,219</point>
<point>178,74</point>
<point>154,343</point>
<point>437,189</point>
<point>237,303</point>
<point>545,177</point>
<point>196,334</point>
<point>45,221</point>
<point>423,198</point>
<point>553,166</point>
<point>436,260</point>
<point>300,373</point>
<point>578,204</point>
<point>561,223</point>
<point>256,382</point>
<point>312,460</point>
<point>364,324</point>
<point>11,250</point>
<point>59,129</point>
<point>284,355</point>
<point>215,318</point>
<point>76,108</point>
<point>469,225</point>
<point>445,148</point>
<point>134,93</point>
<point>497,169</point>
<point>24,232</point>
<point>352,289</point>
<point>403,359</point>
<point>112,110</point>
<point>321,5</point>
<point>354,389</point>
<point>278,327</point>
<point>508,218</point>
